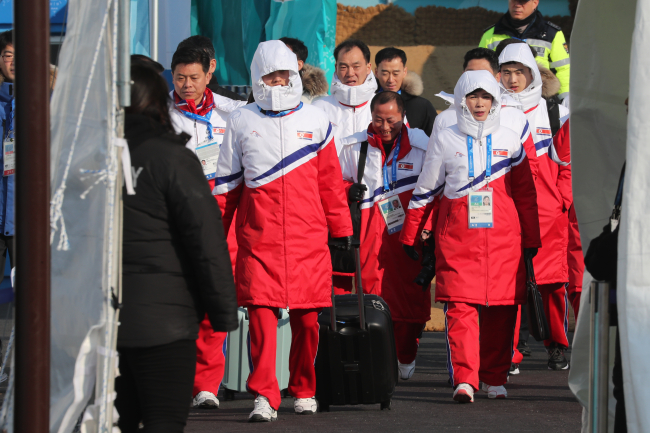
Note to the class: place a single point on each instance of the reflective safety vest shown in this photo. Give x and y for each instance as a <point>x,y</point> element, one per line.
<point>546,39</point>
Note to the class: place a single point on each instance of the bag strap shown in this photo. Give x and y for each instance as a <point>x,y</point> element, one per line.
<point>530,271</point>
<point>361,166</point>
<point>554,114</point>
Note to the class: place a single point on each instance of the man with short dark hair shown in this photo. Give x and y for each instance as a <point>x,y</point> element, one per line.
<point>385,269</point>
<point>525,23</point>
<point>204,43</point>
<point>353,86</point>
<point>7,159</point>
<point>392,75</point>
<point>314,83</point>
<point>202,114</point>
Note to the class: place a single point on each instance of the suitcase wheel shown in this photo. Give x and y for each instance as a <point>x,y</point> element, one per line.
<point>385,405</point>
<point>228,394</point>
<point>323,407</point>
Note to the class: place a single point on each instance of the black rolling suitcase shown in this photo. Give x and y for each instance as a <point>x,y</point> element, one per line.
<point>357,359</point>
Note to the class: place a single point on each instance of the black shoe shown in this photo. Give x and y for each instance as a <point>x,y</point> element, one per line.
<point>524,348</point>
<point>514,368</point>
<point>556,359</point>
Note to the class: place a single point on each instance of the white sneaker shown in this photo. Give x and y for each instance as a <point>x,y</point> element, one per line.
<point>205,400</point>
<point>464,393</point>
<point>305,406</point>
<point>494,391</point>
<point>263,411</point>
<point>406,370</point>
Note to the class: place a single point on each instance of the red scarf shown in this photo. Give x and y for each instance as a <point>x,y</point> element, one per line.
<point>207,103</point>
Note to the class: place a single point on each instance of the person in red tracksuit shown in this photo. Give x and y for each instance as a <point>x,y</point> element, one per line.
<point>278,167</point>
<point>521,76</point>
<point>480,243</point>
<point>386,271</point>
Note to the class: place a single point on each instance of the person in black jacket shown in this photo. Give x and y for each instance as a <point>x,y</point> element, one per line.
<point>176,266</point>
<point>392,75</point>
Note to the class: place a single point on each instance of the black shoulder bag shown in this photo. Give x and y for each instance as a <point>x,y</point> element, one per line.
<point>537,323</point>
<point>344,261</point>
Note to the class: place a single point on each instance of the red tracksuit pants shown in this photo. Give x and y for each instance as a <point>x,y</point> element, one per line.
<point>406,333</point>
<point>556,307</point>
<point>262,327</point>
<point>210,358</point>
<point>479,351</point>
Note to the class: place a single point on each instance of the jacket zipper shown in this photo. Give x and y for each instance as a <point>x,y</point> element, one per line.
<point>196,136</point>
<point>284,214</point>
<point>484,161</point>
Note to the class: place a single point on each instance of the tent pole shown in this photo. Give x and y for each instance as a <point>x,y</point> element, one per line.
<point>154,30</point>
<point>32,121</point>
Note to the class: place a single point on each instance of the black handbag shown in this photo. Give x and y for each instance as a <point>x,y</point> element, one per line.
<point>344,261</point>
<point>537,323</point>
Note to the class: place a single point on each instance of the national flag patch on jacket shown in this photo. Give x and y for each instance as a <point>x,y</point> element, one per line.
<point>218,131</point>
<point>500,152</point>
<point>405,166</point>
<point>543,131</point>
<point>305,135</point>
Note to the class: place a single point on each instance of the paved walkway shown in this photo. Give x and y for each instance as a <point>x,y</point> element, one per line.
<point>539,401</point>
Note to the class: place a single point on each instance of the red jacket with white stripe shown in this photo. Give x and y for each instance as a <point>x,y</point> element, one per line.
<point>553,181</point>
<point>385,269</point>
<point>485,265</point>
<point>282,174</point>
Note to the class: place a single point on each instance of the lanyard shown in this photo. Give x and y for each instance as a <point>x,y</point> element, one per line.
<point>205,119</point>
<point>387,186</point>
<point>470,158</point>
<point>9,123</point>
<point>279,113</point>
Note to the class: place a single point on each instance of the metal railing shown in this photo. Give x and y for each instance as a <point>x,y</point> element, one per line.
<point>599,357</point>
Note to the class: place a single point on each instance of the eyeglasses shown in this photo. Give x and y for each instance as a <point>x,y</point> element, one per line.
<point>8,57</point>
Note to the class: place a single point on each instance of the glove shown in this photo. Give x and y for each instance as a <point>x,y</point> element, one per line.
<point>356,192</point>
<point>529,253</point>
<point>410,251</point>
<point>344,243</point>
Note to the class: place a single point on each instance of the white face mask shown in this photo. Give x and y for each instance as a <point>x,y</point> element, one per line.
<point>354,95</point>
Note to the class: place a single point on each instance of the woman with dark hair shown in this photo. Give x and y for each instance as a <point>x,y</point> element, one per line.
<point>176,266</point>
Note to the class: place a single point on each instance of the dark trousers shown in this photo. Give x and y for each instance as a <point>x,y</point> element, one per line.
<point>6,245</point>
<point>155,387</point>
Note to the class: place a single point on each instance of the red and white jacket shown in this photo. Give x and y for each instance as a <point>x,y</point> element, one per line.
<point>553,183</point>
<point>478,266</point>
<point>198,130</point>
<point>385,269</point>
<point>280,170</point>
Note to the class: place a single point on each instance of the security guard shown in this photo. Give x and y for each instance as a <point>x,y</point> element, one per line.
<point>523,21</point>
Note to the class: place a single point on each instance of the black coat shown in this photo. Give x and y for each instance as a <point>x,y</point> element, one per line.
<point>176,266</point>
<point>419,112</point>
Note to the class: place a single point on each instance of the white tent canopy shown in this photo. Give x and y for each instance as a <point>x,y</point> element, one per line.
<point>607,66</point>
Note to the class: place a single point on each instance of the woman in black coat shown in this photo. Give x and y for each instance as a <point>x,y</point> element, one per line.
<point>176,266</point>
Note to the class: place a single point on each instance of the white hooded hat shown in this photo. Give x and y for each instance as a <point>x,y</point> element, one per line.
<point>530,96</point>
<point>272,56</point>
<point>354,95</point>
<point>467,83</point>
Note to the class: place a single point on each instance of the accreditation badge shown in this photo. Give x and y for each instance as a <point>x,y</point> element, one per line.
<point>9,155</point>
<point>208,154</point>
<point>393,213</point>
<point>480,209</point>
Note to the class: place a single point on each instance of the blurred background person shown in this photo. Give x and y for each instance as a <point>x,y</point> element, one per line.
<point>392,75</point>
<point>524,22</point>
<point>314,83</point>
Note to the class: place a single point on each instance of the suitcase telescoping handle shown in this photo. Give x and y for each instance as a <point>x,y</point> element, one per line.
<point>359,284</point>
